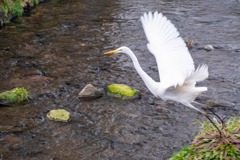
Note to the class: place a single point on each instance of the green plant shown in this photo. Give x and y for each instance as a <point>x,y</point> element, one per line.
<point>17,8</point>
<point>183,154</point>
<point>209,146</point>
<point>5,9</point>
<point>6,6</point>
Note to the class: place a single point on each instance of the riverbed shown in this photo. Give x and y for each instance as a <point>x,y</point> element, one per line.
<point>58,49</point>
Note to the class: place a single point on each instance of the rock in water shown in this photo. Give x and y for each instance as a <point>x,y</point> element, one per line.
<point>90,92</point>
<point>59,115</point>
<point>122,91</point>
<point>209,48</point>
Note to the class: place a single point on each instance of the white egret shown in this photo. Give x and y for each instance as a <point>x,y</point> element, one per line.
<point>178,75</point>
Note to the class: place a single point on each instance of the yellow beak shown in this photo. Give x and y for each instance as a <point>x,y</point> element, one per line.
<point>112,51</point>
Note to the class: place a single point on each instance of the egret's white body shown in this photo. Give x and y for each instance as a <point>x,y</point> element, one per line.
<point>178,75</point>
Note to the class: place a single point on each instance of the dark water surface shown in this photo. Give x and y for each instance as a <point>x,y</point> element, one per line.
<point>58,49</point>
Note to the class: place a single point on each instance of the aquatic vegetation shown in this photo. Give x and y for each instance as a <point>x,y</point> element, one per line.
<point>121,91</point>
<point>15,95</point>
<point>15,7</point>
<point>59,115</point>
<point>208,145</point>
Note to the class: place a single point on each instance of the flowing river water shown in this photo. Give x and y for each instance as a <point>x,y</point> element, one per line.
<point>58,49</point>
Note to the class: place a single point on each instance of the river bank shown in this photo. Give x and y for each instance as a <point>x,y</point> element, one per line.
<point>10,9</point>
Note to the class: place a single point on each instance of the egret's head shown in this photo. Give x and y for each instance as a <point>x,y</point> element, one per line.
<point>119,50</point>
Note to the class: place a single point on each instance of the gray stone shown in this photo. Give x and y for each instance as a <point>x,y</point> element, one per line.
<point>90,92</point>
<point>209,48</point>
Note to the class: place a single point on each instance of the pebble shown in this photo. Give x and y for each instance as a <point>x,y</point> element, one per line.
<point>90,92</point>
<point>209,47</point>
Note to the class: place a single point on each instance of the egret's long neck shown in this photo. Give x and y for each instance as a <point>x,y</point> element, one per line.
<point>149,82</point>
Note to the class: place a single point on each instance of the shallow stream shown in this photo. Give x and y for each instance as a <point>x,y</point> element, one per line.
<point>58,49</point>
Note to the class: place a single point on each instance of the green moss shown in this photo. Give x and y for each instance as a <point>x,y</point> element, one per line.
<point>208,146</point>
<point>59,115</point>
<point>15,6</point>
<point>122,89</point>
<point>15,95</point>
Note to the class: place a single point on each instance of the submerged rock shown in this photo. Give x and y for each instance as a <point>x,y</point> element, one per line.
<point>59,115</point>
<point>209,48</point>
<point>90,92</point>
<point>122,91</point>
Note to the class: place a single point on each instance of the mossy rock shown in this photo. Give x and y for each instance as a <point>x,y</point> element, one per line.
<point>59,115</point>
<point>122,91</point>
<point>209,146</point>
<point>14,95</point>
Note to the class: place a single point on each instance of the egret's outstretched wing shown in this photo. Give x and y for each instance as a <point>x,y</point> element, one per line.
<point>174,61</point>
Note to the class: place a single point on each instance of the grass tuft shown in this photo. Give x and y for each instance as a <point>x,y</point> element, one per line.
<point>208,145</point>
<point>15,7</point>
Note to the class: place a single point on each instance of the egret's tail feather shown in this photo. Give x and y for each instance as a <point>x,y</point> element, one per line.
<point>200,89</point>
<point>191,96</point>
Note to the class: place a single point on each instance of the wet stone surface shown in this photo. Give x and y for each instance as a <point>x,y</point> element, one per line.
<point>89,92</point>
<point>58,49</point>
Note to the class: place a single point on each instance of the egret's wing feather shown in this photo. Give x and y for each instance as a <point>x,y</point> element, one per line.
<point>200,74</point>
<point>174,61</point>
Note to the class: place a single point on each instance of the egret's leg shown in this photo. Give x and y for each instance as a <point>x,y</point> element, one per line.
<point>215,114</point>
<point>207,116</point>
<point>196,109</point>
<point>220,133</point>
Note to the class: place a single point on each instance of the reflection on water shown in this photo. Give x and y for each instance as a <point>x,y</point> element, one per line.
<point>57,50</point>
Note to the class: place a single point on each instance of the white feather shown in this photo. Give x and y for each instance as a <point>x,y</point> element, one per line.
<point>200,74</point>
<point>174,61</point>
